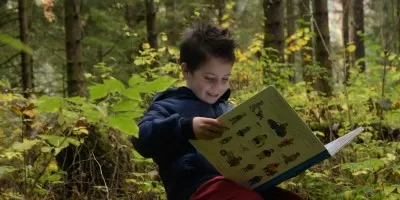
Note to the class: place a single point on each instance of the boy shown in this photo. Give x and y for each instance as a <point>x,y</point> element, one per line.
<point>190,112</point>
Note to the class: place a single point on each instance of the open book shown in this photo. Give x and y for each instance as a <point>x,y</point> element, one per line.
<point>267,143</point>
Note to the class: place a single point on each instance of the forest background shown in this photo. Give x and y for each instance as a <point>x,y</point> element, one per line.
<point>76,75</point>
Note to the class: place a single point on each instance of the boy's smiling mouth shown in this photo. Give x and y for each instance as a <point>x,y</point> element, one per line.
<point>212,95</point>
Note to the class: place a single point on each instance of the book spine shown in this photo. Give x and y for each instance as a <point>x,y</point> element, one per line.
<point>294,171</point>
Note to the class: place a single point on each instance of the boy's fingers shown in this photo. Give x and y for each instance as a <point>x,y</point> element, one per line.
<point>216,122</point>
<point>215,129</point>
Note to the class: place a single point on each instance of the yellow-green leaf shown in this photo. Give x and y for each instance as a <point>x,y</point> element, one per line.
<point>97,91</point>
<point>25,145</point>
<point>113,85</point>
<point>124,124</point>
<point>135,79</point>
<point>301,42</point>
<point>351,48</point>
<point>126,105</point>
<point>15,43</point>
<point>49,104</point>
<point>132,93</point>
<point>164,38</point>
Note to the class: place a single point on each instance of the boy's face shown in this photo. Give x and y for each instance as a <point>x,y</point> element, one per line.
<point>210,81</point>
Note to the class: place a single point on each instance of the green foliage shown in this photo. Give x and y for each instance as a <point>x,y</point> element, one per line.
<point>33,132</point>
<point>55,123</point>
<point>15,43</point>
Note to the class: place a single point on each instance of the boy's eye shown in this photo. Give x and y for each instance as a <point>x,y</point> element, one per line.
<point>209,78</point>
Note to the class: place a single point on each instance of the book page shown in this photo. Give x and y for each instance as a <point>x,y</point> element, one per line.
<point>265,139</point>
<point>336,145</point>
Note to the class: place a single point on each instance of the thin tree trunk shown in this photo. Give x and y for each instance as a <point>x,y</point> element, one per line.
<point>322,46</point>
<point>220,5</point>
<point>306,53</point>
<point>398,26</point>
<point>273,28</point>
<point>151,23</point>
<point>26,64</point>
<point>73,33</point>
<point>358,26</point>
<point>291,26</point>
<point>345,33</point>
<point>171,29</point>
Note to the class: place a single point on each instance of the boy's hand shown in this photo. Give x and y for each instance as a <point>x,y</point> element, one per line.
<point>207,128</point>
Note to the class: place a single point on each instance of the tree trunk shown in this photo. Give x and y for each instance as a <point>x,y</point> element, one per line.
<point>273,28</point>
<point>171,29</point>
<point>358,26</point>
<point>73,33</point>
<point>26,64</point>
<point>345,33</point>
<point>398,26</point>
<point>291,26</point>
<point>322,46</point>
<point>220,5</point>
<point>151,23</point>
<point>306,53</point>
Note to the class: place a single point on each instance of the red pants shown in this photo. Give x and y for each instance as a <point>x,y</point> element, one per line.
<point>220,188</point>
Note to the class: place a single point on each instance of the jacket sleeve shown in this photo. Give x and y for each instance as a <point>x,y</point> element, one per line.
<point>161,133</point>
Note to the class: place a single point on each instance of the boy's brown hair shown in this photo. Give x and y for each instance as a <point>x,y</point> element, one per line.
<point>205,40</point>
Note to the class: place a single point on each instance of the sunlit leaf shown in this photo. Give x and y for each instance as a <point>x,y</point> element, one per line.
<point>114,85</point>
<point>52,165</point>
<point>301,42</point>
<point>126,105</point>
<point>124,124</point>
<point>77,100</point>
<point>160,83</point>
<point>98,91</point>
<point>25,145</point>
<point>135,79</point>
<point>92,114</point>
<point>351,48</point>
<point>164,37</point>
<point>132,93</point>
<point>15,43</point>
<point>50,104</point>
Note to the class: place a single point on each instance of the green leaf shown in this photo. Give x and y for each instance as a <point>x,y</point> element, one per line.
<point>49,104</point>
<point>164,38</point>
<point>114,85</point>
<point>25,145</point>
<point>5,169</point>
<point>53,139</point>
<point>160,83</point>
<point>351,48</point>
<point>15,43</point>
<point>73,141</point>
<point>132,93</point>
<point>301,42</point>
<point>126,105</point>
<point>124,124</point>
<point>135,79</point>
<point>77,100</point>
<point>40,191</point>
<point>374,163</point>
<point>392,57</point>
<point>97,91</point>
<point>390,188</point>
<point>131,114</point>
<point>92,113</point>
<point>46,149</point>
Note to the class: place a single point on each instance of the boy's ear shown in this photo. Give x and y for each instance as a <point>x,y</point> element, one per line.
<point>184,70</point>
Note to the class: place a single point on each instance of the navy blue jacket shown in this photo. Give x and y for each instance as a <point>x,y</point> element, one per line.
<point>164,134</point>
